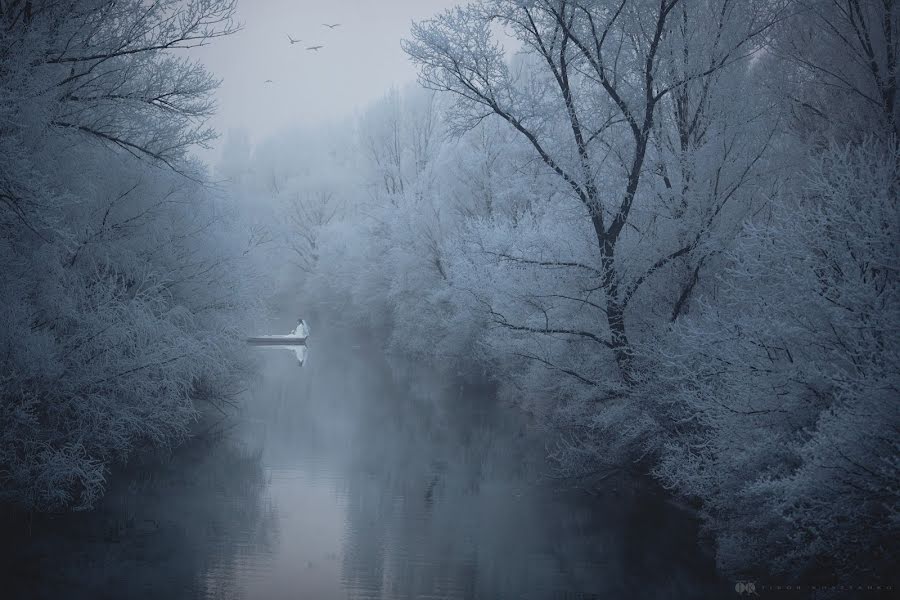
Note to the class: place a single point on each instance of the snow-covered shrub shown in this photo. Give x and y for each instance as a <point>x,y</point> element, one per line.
<point>782,397</point>
<point>121,274</point>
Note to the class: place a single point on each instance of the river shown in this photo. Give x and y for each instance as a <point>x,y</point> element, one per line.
<point>355,478</point>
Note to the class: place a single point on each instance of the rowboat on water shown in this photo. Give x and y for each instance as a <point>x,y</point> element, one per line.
<point>297,337</point>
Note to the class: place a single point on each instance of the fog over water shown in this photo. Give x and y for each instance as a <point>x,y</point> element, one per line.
<point>352,478</point>
<point>586,298</point>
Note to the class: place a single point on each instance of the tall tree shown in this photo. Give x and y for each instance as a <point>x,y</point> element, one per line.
<point>587,100</point>
<point>120,271</point>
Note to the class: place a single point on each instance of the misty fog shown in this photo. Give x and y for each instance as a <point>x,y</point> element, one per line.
<point>500,299</point>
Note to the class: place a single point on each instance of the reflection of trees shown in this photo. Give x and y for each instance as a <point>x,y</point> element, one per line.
<point>444,496</point>
<point>441,490</point>
<point>170,530</point>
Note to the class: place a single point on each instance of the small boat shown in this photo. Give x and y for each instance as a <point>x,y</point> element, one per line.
<point>297,337</point>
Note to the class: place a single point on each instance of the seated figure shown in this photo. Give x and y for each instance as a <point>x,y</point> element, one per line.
<point>301,330</point>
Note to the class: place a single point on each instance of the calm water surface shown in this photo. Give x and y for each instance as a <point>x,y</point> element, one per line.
<point>348,478</point>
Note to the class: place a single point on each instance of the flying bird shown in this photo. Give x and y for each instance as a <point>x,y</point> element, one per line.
<point>332,25</point>
<point>316,48</point>
<point>293,41</point>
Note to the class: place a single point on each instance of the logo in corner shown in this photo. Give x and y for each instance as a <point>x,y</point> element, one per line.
<point>745,587</point>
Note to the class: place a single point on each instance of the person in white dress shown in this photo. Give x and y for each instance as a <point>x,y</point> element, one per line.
<point>301,330</point>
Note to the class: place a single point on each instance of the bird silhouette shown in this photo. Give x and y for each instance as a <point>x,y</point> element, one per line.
<point>316,48</point>
<point>293,41</point>
<point>332,25</point>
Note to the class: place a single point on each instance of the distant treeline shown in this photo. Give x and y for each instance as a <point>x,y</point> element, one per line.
<point>666,227</point>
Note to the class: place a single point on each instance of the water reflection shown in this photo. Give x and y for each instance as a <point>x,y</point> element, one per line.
<point>357,480</point>
<point>404,486</point>
<point>300,352</point>
<point>180,528</point>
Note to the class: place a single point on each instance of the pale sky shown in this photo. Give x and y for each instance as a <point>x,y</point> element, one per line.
<point>359,62</point>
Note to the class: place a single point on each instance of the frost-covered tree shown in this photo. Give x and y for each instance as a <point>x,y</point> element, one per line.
<point>781,393</point>
<point>121,272</point>
<point>843,54</point>
<point>587,96</point>
<point>664,227</point>
<point>785,391</point>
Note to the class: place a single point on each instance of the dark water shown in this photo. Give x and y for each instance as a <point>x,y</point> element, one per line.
<point>350,479</point>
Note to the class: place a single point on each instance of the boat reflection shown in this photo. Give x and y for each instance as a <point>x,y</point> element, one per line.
<point>301,352</point>
<point>295,341</point>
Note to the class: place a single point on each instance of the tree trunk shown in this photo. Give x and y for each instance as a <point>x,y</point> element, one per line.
<point>615,317</point>
<point>615,312</point>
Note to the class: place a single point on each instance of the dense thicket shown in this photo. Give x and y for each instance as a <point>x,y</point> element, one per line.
<point>666,227</point>
<point>120,270</point>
